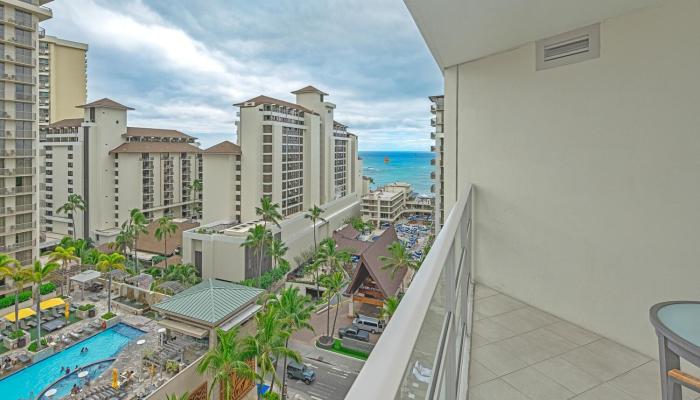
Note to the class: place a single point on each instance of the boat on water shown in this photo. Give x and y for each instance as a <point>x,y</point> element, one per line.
<point>386,160</point>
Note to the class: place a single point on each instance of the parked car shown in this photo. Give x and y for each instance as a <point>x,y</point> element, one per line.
<point>300,371</point>
<point>369,324</point>
<point>353,332</point>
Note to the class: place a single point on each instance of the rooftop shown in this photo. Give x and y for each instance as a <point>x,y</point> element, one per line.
<point>105,103</point>
<point>155,147</point>
<point>67,123</point>
<point>210,302</point>
<point>149,243</point>
<point>255,101</point>
<point>132,131</point>
<point>224,147</point>
<point>309,89</point>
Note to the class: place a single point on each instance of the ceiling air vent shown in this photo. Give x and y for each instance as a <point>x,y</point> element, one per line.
<point>568,48</point>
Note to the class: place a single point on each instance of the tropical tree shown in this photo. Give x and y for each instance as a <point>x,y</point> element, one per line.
<point>184,396</point>
<point>166,227</point>
<point>268,211</point>
<point>37,276</point>
<point>73,203</point>
<point>268,342</point>
<point>123,240</point>
<point>224,361</point>
<point>294,310</point>
<point>389,308</point>
<point>137,224</point>
<point>399,259</point>
<point>314,214</point>
<point>64,256</point>
<point>334,284</point>
<point>11,268</point>
<point>107,264</point>
<point>195,189</point>
<point>331,257</point>
<point>183,273</point>
<point>257,238</point>
<point>276,251</point>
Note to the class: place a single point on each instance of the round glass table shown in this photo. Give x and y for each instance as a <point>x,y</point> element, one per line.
<point>677,325</point>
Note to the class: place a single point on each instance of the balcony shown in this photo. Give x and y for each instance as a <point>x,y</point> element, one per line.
<point>433,122</point>
<point>471,340</point>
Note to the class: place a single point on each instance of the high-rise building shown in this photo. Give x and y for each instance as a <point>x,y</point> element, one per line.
<point>437,108</point>
<point>115,168</point>
<point>296,154</point>
<point>571,159</point>
<point>19,35</point>
<point>388,203</point>
<point>62,80</point>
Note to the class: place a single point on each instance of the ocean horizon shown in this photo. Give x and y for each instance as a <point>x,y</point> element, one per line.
<point>402,166</point>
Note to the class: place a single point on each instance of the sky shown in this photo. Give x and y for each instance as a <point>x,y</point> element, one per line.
<point>182,64</point>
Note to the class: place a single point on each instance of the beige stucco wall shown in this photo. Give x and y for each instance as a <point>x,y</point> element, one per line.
<point>68,80</point>
<point>219,200</point>
<point>586,175</point>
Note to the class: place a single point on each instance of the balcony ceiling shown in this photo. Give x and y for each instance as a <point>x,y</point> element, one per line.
<point>458,31</point>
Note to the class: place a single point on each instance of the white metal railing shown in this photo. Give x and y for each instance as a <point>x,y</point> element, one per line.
<point>424,351</point>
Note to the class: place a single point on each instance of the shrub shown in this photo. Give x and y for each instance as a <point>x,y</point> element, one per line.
<point>269,278</point>
<point>16,334</point>
<point>9,299</point>
<point>32,346</point>
<point>86,307</point>
<point>108,315</point>
<point>271,396</point>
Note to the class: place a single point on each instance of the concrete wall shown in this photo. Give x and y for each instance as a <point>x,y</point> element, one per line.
<point>68,81</point>
<point>219,199</point>
<point>586,175</point>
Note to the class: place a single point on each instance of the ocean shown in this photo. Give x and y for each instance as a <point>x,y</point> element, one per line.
<point>403,166</point>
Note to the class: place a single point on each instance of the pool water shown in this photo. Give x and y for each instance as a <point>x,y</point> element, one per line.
<point>31,381</point>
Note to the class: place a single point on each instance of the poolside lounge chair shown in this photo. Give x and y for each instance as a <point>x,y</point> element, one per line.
<point>65,339</point>
<point>74,335</point>
<point>23,358</point>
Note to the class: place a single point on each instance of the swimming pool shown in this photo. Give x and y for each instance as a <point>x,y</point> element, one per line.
<point>31,381</point>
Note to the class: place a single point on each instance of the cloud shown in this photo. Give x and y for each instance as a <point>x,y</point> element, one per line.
<point>183,64</point>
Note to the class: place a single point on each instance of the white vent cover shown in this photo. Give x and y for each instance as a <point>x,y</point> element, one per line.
<point>568,48</point>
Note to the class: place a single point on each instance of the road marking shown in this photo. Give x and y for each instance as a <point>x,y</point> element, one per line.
<point>316,397</point>
<point>338,375</point>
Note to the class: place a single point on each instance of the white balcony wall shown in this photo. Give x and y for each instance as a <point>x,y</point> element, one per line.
<point>587,188</point>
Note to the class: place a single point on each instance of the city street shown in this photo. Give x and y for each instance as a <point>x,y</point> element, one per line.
<point>334,374</point>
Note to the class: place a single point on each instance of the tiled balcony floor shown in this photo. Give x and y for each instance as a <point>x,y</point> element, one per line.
<point>522,353</point>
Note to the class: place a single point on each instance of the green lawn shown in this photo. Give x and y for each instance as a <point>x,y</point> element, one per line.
<point>338,348</point>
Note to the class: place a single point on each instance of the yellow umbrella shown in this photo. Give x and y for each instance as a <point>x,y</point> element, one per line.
<point>67,311</point>
<point>23,313</point>
<point>115,378</point>
<point>51,303</point>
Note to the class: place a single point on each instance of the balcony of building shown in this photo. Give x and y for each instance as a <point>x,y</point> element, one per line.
<point>452,337</point>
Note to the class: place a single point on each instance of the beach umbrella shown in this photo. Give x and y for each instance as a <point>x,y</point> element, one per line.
<point>115,378</point>
<point>67,311</point>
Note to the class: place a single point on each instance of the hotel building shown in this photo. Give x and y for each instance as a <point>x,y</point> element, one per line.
<point>62,80</point>
<point>438,108</point>
<point>571,159</point>
<point>19,35</point>
<point>293,152</point>
<point>388,203</point>
<point>115,168</point>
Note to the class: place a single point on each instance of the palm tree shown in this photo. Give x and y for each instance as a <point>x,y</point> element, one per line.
<point>37,276</point>
<point>269,341</point>
<point>389,308</point>
<point>268,211</point>
<point>331,257</point>
<point>226,360</point>
<point>122,241</point>
<point>314,214</point>
<point>138,223</point>
<point>107,264</point>
<point>256,240</point>
<point>75,202</point>
<point>166,227</point>
<point>276,251</point>
<point>334,284</point>
<point>184,396</point>
<point>64,256</point>
<point>294,310</point>
<point>195,189</point>
<point>11,268</point>
<point>399,259</point>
